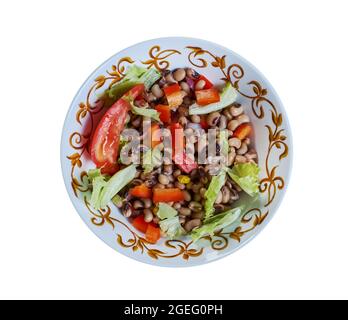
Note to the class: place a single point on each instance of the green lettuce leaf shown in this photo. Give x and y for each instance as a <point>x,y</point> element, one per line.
<point>134,75</point>
<point>224,142</point>
<point>246,175</point>
<point>217,182</point>
<point>215,223</point>
<point>146,112</point>
<point>172,227</point>
<point>227,97</point>
<point>117,200</point>
<point>151,159</point>
<point>165,211</point>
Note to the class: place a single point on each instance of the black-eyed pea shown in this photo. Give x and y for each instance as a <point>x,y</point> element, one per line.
<point>200,85</point>
<point>236,110</point>
<point>233,125</point>
<point>148,215</point>
<point>243,119</point>
<point>179,74</point>
<point>234,142</point>
<point>243,149</point>
<point>240,159</point>
<point>190,225</point>
<point>157,91</point>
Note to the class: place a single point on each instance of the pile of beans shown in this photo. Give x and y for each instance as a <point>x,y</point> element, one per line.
<point>191,210</point>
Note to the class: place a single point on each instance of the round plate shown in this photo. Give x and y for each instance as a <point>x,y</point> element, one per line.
<point>273,144</point>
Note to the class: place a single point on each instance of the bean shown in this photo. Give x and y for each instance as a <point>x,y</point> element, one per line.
<point>179,74</point>
<point>187,101</point>
<point>231,157</point>
<point>213,119</point>
<point>183,111</point>
<point>184,86</point>
<point>195,206</point>
<point>240,159</point>
<point>196,188</point>
<point>138,204</point>
<point>236,110</point>
<point>197,215</point>
<point>243,149</point>
<point>196,119</point>
<point>233,124</point>
<point>148,215</point>
<point>190,225</point>
<point>136,122</point>
<point>159,186</point>
<point>171,178</point>
<point>183,121</point>
<point>219,198</point>
<point>185,211</point>
<point>227,114</point>
<point>243,119</point>
<point>202,192</point>
<point>163,179</point>
<point>200,85</point>
<point>177,173</point>
<point>223,122</point>
<point>191,73</point>
<point>182,220</point>
<point>177,205</point>
<point>150,97</point>
<point>169,78</point>
<point>147,203</point>
<point>234,142</point>
<point>187,196</point>
<point>168,169</point>
<point>170,185</point>
<point>157,91</point>
<point>226,194</point>
<point>247,141</point>
<point>170,203</point>
<point>179,185</point>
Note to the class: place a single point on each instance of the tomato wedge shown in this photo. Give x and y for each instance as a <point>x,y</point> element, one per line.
<point>153,234</point>
<point>106,139</point>
<point>165,113</point>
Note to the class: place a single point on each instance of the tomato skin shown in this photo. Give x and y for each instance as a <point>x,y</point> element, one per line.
<point>140,224</point>
<point>141,191</point>
<point>153,234</point>
<point>243,131</point>
<point>106,138</point>
<point>168,195</point>
<point>165,113</point>
<point>208,84</point>
<point>205,97</point>
<point>173,95</point>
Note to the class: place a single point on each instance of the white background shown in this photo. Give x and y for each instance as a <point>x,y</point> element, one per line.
<point>48,48</point>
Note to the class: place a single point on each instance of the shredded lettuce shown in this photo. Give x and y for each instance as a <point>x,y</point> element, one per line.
<point>151,159</point>
<point>117,200</point>
<point>217,182</point>
<point>215,223</point>
<point>224,142</point>
<point>105,189</point>
<point>172,227</point>
<point>165,211</point>
<point>227,97</point>
<point>146,112</point>
<point>246,175</point>
<point>135,75</point>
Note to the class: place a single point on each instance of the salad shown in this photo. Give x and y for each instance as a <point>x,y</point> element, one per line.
<point>174,153</point>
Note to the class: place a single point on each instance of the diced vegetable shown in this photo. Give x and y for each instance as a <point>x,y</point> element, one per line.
<point>178,138</point>
<point>140,224</point>
<point>117,200</point>
<point>165,211</point>
<point>184,179</point>
<point>204,123</point>
<point>216,223</point>
<point>146,112</point>
<point>164,113</point>
<point>217,182</point>
<point>172,227</point>
<point>167,195</point>
<point>141,191</point>
<point>155,134</point>
<point>208,84</point>
<point>185,163</point>
<point>173,95</point>
<point>243,131</point>
<point>115,184</point>
<point>153,234</point>
<point>246,175</point>
<point>227,97</point>
<point>208,96</point>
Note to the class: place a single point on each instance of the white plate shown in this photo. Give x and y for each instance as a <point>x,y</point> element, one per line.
<point>273,144</point>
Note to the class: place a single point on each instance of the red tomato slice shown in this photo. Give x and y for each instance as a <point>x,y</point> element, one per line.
<point>106,139</point>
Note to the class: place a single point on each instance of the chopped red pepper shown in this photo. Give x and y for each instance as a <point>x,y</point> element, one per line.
<point>208,84</point>
<point>140,224</point>
<point>167,195</point>
<point>165,113</point>
<point>141,191</point>
<point>155,135</point>
<point>153,234</point>
<point>243,131</point>
<point>178,138</point>
<point>204,124</point>
<point>205,97</point>
<point>173,95</point>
